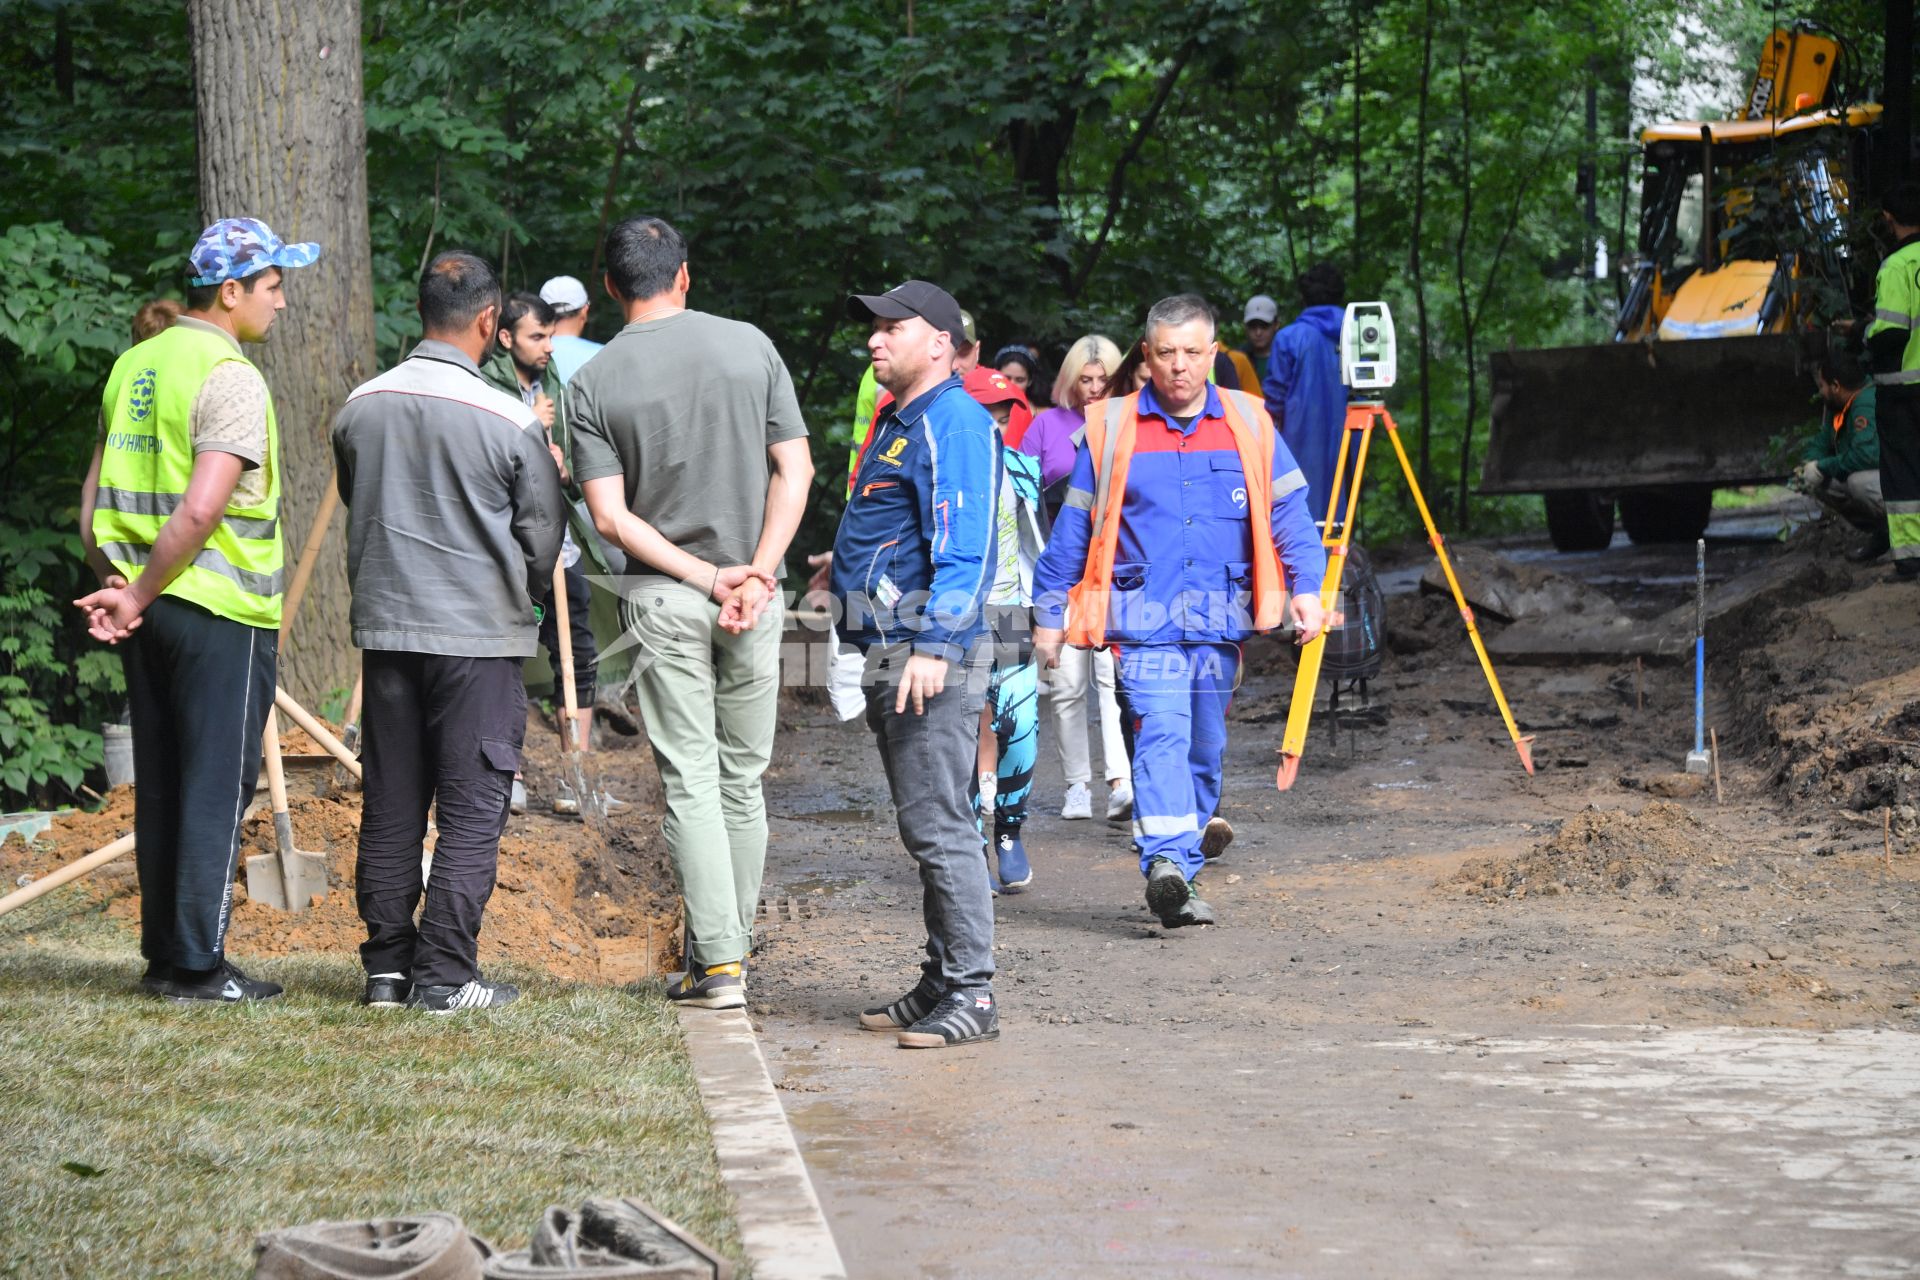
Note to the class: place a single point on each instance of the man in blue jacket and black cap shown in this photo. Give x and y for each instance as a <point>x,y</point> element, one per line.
<point>1304,394</point>
<point>913,563</point>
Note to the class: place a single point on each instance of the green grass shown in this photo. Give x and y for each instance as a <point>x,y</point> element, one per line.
<point>143,1138</point>
<point>1749,496</point>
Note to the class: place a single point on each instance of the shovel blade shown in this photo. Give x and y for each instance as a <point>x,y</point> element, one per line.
<point>304,873</point>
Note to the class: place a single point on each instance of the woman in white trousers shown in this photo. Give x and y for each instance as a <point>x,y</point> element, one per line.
<point>1068,694</point>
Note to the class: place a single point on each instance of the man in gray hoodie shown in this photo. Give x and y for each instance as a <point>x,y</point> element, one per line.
<point>454,523</point>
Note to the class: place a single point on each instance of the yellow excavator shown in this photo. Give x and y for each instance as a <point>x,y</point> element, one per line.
<point>1743,224</point>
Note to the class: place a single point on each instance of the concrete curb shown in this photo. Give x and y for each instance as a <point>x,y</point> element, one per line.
<point>781,1224</point>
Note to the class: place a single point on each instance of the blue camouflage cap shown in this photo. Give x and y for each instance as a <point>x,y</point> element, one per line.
<point>235,248</point>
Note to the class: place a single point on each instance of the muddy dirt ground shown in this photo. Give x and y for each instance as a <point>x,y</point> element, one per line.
<point>1455,1020</point>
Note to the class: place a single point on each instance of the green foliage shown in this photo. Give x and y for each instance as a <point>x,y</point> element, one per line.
<point>1056,163</point>
<point>62,322</point>
<point>48,685</point>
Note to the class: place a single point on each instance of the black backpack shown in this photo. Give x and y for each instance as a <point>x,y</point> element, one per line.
<point>1356,647</point>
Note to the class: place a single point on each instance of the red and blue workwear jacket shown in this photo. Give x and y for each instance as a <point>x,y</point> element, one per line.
<point>1183,563</point>
<point>913,561</point>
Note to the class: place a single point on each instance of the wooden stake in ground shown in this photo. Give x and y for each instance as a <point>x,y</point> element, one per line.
<point>1713,735</point>
<point>72,871</point>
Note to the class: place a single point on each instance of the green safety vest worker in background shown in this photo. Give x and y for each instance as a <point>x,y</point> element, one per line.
<point>1893,350</point>
<point>147,463</point>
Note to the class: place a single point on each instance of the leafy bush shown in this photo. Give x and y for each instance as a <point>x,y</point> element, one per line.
<point>62,321</point>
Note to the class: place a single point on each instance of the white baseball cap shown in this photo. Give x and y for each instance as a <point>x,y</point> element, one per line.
<point>1259,307</point>
<point>564,294</point>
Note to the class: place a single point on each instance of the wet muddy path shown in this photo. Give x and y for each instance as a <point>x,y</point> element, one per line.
<point>1454,1020</point>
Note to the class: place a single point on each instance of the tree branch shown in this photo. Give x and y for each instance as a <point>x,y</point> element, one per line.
<point>1116,184</point>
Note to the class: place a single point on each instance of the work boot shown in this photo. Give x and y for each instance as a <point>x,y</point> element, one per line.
<point>222,984</point>
<point>1876,545</point>
<point>717,986</point>
<point>1016,873</point>
<point>1215,838</point>
<point>609,805</point>
<point>961,1017</point>
<point>565,803</point>
<point>902,1013</point>
<point>517,799</point>
<point>477,993</point>
<point>1172,898</point>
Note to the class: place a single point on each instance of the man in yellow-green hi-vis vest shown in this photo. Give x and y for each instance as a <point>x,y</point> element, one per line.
<point>1893,352</point>
<point>180,514</point>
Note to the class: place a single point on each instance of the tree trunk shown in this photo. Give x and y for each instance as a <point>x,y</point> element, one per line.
<point>1467,311</point>
<point>1416,268</point>
<point>1353,251</point>
<point>282,138</point>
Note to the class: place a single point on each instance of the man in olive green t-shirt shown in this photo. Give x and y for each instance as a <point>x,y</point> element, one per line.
<point>689,444</point>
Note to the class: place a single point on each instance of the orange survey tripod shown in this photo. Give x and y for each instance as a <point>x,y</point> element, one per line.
<point>1363,416</point>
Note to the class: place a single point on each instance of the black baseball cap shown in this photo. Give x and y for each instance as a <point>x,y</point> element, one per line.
<point>914,298</point>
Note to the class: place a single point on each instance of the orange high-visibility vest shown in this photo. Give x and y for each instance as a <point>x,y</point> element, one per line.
<point>1111,427</point>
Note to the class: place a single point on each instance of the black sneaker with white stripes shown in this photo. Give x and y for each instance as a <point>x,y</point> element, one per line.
<point>477,994</point>
<point>961,1017</point>
<point>902,1013</point>
<point>224,984</point>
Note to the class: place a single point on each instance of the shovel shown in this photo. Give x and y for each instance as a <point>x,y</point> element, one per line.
<point>290,879</point>
<point>570,725</point>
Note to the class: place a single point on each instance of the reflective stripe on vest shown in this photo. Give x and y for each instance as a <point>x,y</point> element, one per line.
<point>1110,431</point>
<point>146,465</point>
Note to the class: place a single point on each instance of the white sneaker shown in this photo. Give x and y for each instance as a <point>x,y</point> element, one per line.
<point>1078,803</point>
<point>1120,802</point>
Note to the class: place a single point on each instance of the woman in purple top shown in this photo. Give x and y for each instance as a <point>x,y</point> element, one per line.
<point>1089,362</point>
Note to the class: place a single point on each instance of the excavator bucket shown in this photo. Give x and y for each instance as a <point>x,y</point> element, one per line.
<point>1635,414</point>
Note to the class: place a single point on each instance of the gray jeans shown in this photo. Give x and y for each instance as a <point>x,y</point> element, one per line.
<point>929,760</point>
<point>1856,499</point>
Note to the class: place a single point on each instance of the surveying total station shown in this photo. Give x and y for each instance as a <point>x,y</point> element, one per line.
<point>1367,367</point>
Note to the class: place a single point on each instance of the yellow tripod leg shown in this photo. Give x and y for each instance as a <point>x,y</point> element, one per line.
<point>1523,745</point>
<point>1300,710</point>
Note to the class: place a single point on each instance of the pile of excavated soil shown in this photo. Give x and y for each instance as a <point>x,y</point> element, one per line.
<point>1827,692</point>
<point>585,904</point>
<point>1601,851</point>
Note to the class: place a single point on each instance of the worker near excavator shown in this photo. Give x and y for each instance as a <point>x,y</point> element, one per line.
<point>1184,527</point>
<point>1841,466</point>
<point>1893,351</point>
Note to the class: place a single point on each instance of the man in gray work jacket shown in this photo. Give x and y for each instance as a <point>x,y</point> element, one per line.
<point>454,522</point>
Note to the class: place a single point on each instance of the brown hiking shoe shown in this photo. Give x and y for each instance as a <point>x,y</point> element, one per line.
<point>1215,839</point>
